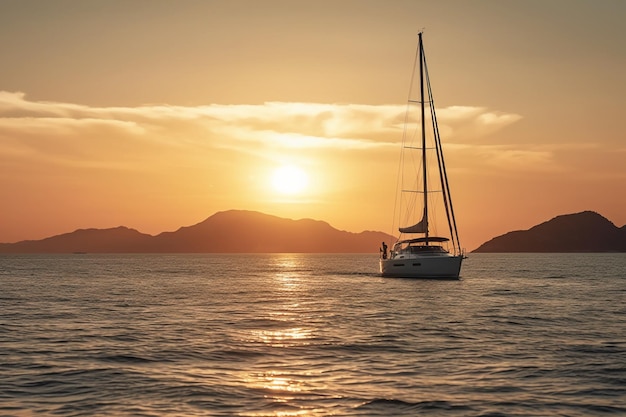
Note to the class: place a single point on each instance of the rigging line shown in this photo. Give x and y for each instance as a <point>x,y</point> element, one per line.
<point>419,148</point>
<point>444,178</point>
<point>400,176</point>
<point>439,152</point>
<point>422,64</point>
<point>421,192</point>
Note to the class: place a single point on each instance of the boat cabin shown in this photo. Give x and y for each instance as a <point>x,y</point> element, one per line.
<point>420,246</point>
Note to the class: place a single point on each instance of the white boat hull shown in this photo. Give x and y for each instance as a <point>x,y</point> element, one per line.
<point>422,266</point>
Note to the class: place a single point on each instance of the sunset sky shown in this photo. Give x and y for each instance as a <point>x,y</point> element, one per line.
<point>156,114</point>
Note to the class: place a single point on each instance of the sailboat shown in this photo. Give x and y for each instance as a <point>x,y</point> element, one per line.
<point>428,244</point>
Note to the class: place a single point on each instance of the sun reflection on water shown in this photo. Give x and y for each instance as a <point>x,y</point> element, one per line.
<point>277,382</point>
<point>288,393</point>
<point>287,387</point>
<point>287,272</point>
<point>282,338</point>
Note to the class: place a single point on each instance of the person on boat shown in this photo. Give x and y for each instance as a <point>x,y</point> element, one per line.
<point>383,250</point>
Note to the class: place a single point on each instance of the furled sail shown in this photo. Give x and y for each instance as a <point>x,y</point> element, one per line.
<point>419,227</point>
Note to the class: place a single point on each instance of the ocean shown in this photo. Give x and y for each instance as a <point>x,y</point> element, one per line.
<point>310,335</point>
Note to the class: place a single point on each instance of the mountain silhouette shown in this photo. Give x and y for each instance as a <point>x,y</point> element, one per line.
<point>587,231</point>
<point>233,231</point>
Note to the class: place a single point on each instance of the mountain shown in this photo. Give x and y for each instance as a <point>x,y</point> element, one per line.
<point>580,232</point>
<point>234,231</point>
<point>114,240</point>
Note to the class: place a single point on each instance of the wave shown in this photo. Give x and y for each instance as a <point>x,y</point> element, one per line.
<point>389,406</point>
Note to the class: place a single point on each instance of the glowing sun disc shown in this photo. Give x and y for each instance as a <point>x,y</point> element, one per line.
<point>289,179</point>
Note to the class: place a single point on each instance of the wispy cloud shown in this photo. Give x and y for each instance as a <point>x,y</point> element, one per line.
<point>78,135</point>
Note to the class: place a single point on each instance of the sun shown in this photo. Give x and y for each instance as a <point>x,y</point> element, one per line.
<point>289,179</point>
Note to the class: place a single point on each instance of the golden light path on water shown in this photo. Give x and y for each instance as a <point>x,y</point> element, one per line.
<point>283,384</point>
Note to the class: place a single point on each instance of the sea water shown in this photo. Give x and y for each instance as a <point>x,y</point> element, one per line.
<point>310,335</point>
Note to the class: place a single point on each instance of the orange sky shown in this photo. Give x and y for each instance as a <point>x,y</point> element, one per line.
<point>157,114</point>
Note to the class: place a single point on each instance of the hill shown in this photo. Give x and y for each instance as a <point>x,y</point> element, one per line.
<point>580,232</point>
<point>234,231</point>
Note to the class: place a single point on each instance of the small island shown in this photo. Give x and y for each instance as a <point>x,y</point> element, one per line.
<point>587,231</point>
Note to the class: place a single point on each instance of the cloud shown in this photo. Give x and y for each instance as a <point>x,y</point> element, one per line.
<point>575,160</point>
<point>65,130</point>
<point>463,123</point>
<point>519,159</point>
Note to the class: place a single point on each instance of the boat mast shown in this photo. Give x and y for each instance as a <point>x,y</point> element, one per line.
<point>424,170</point>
